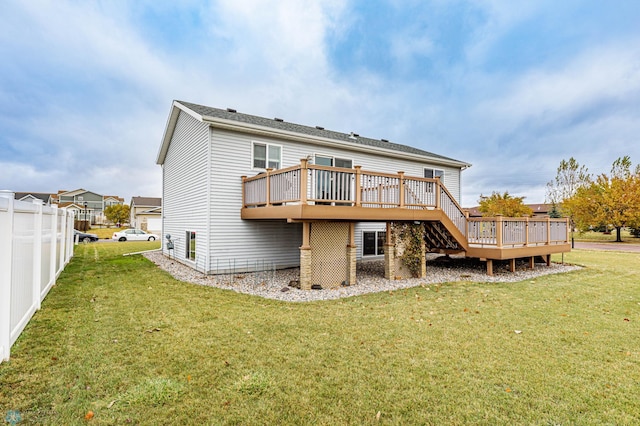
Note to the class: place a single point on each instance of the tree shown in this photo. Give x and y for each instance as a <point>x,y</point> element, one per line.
<point>554,213</point>
<point>117,213</point>
<point>609,200</point>
<point>571,176</point>
<point>503,204</point>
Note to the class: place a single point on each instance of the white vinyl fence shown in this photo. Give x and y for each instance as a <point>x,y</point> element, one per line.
<point>36,243</point>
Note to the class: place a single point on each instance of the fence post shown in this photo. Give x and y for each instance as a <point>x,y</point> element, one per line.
<point>63,240</point>
<point>303,180</point>
<point>358,186</point>
<point>37,255</point>
<point>466,224</point>
<point>244,186</point>
<point>499,230</point>
<point>401,189</point>
<point>6,256</point>
<point>54,245</point>
<point>548,230</point>
<point>268,194</point>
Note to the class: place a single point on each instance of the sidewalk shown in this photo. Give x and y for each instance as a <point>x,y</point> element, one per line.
<point>630,247</point>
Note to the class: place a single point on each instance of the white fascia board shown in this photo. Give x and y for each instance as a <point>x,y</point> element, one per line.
<point>269,131</point>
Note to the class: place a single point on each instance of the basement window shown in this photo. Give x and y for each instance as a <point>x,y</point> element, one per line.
<point>190,246</point>
<point>373,243</point>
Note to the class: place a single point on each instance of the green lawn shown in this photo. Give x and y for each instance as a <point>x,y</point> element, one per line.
<point>105,233</point>
<point>125,341</point>
<point>591,236</point>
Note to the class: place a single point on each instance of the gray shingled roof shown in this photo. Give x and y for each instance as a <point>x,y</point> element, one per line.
<point>206,111</point>
<point>146,201</point>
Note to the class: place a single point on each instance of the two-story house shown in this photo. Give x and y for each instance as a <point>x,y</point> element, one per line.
<point>242,191</point>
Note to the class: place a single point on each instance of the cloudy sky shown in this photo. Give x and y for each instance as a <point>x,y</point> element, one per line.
<point>512,87</point>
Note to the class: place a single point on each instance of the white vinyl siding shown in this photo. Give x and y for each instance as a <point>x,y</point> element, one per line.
<point>238,244</point>
<point>203,193</point>
<point>185,178</point>
<point>244,244</point>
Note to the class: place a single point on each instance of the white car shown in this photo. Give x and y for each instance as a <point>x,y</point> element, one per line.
<point>133,235</point>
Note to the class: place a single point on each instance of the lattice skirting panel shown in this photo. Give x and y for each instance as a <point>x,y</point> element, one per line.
<point>329,253</point>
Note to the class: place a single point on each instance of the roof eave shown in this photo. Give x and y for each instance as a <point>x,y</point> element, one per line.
<point>170,127</point>
<point>294,136</point>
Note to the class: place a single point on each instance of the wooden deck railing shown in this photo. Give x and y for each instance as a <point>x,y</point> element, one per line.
<point>323,185</point>
<point>508,232</point>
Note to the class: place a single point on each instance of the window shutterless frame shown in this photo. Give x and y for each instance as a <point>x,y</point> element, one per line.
<point>430,172</point>
<point>373,243</point>
<point>266,155</point>
<point>190,246</point>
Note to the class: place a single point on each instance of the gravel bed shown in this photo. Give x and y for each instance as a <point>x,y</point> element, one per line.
<point>275,285</point>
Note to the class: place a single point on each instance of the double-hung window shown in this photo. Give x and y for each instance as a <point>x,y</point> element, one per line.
<point>434,173</point>
<point>266,155</point>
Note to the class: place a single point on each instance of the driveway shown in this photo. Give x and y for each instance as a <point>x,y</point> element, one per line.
<point>635,248</point>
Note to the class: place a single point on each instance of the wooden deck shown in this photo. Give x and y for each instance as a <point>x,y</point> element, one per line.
<point>307,193</point>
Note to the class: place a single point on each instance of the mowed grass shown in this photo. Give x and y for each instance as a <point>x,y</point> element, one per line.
<point>601,237</point>
<point>118,341</point>
<point>105,233</point>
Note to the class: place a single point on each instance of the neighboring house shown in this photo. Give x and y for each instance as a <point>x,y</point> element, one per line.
<point>146,214</point>
<point>46,198</point>
<point>87,205</point>
<point>242,192</point>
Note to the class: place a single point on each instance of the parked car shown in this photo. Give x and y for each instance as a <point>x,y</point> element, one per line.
<point>84,237</point>
<point>133,235</point>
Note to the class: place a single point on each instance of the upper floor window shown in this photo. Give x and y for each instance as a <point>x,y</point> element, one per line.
<point>434,173</point>
<point>322,160</point>
<point>266,155</point>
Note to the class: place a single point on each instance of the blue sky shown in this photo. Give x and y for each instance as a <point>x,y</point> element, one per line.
<point>512,87</point>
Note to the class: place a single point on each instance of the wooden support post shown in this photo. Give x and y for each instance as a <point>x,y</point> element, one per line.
<point>358,186</point>
<point>489,266</point>
<point>512,265</point>
<point>244,183</point>
<point>268,194</point>
<point>526,232</point>
<point>466,224</point>
<point>499,226</point>
<point>389,256</point>
<point>548,230</point>
<point>305,257</point>
<point>304,176</point>
<point>401,188</point>
<point>438,189</point>
<point>548,259</point>
<point>532,262</point>
<point>351,255</point>
<point>423,258</point>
